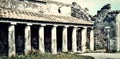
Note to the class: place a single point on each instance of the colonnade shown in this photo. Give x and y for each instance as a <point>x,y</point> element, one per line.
<point>12,47</point>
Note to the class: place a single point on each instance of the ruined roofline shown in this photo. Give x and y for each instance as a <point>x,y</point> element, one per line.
<point>62,4</point>
<point>114,11</point>
<point>59,3</point>
<point>18,14</point>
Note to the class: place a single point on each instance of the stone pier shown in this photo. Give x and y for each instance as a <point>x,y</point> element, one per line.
<point>84,39</point>
<point>11,40</point>
<point>27,38</point>
<point>64,39</point>
<point>54,40</point>
<point>74,39</point>
<point>91,39</point>
<point>41,38</point>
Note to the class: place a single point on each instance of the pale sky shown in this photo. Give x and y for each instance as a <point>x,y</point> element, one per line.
<point>94,5</point>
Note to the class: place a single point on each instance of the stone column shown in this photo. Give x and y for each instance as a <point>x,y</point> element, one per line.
<point>84,39</point>
<point>27,39</point>
<point>41,39</point>
<point>64,39</point>
<point>92,40</point>
<point>11,40</point>
<point>118,35</point>
<point>54,40</point>
<point>74,39</point>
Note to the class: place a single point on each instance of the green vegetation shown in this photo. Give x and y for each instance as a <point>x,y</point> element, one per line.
<point>48,56</point>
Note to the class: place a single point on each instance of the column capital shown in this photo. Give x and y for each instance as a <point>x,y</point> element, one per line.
<point>75,26</point>
<point>13,23</point>
<point>29,24</point>
<point>66,26</point>
<point>92,28</point>
<point>84,27</point>
<point>55,25</point>
<point>43,24</point>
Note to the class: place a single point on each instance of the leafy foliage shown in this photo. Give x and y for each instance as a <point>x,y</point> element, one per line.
<point>104,18</point>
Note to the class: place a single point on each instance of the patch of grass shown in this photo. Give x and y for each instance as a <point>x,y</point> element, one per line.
<point>48,56</point>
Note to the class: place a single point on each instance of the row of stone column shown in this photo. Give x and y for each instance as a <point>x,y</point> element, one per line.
<point>11,39</point>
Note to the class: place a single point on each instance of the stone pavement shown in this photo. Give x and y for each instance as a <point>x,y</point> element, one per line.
<point>103,55</point>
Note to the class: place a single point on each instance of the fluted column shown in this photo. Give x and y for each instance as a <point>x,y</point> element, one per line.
<point>27,39</point>
<point>64,39</point>
<point>74,39</point>
<point>11,40</point>
<point>54,40</point>
<point>92,40</point>
<point>41,38</point>
<point>84,39</point>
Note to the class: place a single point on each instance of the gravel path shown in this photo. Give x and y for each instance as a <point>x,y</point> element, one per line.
<point>103,55</point>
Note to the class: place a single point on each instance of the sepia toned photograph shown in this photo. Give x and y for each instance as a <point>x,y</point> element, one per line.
<point>59,29</point>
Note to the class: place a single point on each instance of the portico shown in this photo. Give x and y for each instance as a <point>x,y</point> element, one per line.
<point>51,32</point>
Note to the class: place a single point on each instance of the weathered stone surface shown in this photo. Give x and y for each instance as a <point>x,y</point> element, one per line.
<point>118,31</point>
<point>64,40</point>
<point>91,40</point>
<point>54,40</point>
<point>41,39</point>
<point>74,39</point>
<point>27,39</point>
<point>78,12</point>
<point>27,6</point>
<point>11,41</point>
<point>84,39</point>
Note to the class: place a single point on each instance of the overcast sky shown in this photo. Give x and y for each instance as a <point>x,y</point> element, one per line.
<point>94,5</point>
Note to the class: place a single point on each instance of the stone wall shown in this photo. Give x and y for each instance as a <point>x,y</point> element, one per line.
<point>27,6</point>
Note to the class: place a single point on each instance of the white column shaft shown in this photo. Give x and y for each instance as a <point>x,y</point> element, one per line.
<point>64,40</point>
<point>27,39</point>
<point>92,40</point>
<point>118,35</point>
<point>54,41</point>
<point>74,40</point>
<point>11,40</point>
<point>41,39</point>
<point>84,39</point>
